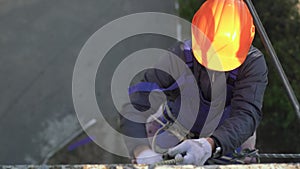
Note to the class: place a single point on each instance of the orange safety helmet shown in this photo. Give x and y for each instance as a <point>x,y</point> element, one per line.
<point>222,33</point>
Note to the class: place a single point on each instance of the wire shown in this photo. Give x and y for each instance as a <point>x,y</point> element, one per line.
<point>238,158</point>
<point>279,156</point>
<point>174,161</point>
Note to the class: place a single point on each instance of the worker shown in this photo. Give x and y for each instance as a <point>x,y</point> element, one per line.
<point>221,44</point>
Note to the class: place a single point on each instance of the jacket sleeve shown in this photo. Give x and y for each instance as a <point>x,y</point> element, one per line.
<point>143,104</point>
<point>246,103</point>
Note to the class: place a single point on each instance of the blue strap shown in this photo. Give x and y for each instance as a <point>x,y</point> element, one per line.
<point>188,53</point>
<point>143,87</point>
<point>234,73</point>
<point>149,86</point>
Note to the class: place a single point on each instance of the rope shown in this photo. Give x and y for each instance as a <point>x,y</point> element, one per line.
<point>174,127</point>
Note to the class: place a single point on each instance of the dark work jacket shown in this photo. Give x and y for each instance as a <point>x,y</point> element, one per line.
<point>246,100</point>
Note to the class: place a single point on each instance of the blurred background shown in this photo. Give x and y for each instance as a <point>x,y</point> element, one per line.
<point>40,41</point>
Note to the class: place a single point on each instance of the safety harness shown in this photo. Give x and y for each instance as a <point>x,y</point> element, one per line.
<point>166,122</point>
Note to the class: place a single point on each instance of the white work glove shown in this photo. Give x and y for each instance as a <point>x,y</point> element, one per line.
<point>148,156</point>
<point>196,151</point>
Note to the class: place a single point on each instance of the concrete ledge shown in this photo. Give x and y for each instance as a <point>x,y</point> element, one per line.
<point>129,166</point>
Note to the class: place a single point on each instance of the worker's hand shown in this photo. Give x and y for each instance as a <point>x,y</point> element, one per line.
<point>148,156</point>
<point>196,151</point>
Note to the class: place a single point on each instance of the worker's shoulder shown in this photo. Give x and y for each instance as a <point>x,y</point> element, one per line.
<point>254,56</point>
<point>177,48</point>
<point>254,62</point>
<point>254,53</point>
